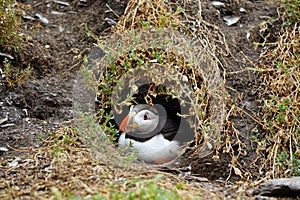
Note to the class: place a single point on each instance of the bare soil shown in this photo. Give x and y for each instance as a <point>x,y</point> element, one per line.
<point>56,50</point>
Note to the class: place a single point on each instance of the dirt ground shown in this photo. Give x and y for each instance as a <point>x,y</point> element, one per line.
<point>55,51</point>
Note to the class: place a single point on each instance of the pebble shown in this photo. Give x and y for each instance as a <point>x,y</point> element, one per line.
<point>44,20</point>
<point>218,4</point>
<point>3,149</point>
<point>110,21</point>
<point>4,120</point>
<point>15,162</point>
<point>61,3</point>
<point>6,125</point>
<point>231,20</point>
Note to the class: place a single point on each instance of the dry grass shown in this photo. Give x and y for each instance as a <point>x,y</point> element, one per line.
<point>10,21</point>
<point>278,149</point>
<point>196,61</point>
<point>215,49</point>
<point>280,76</point>
<point>64,168</point>
<point>148,13</point>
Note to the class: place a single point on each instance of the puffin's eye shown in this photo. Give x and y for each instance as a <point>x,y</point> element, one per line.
<point>146,117</point>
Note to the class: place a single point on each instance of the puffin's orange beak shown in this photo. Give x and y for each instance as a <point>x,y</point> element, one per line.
<point>124,123</point>
<point>128,119</point>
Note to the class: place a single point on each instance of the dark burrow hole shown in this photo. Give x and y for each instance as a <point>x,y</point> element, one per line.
<point>143,96</point>
<point>120,74</point>
<point>176,128</point>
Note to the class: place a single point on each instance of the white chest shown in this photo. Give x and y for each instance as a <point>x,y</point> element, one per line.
<point>155,150</point>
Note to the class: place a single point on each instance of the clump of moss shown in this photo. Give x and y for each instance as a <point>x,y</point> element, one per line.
<point>10,21</point>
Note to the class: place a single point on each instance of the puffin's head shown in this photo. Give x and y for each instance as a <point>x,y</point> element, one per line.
<point>144,121</point>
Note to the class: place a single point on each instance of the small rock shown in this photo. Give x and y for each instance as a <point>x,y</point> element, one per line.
<point>153,61</point>
<point>185,78</point>
<point>4,120</point>
<point>72,12</point>
<point>61,3</point>
<point>25,112</point>
<point>48,169</point>
<point>243,10</point>
<point>218,4</point>
<point>57,13</point>
<point>15,162</point>
<point>27,17</point>
<point>248,35</point>
<point>44,20</point>
<point>3,149</point>
<point>231,20</point>
<point>110,21</point>
<point>6,125</point>
<point>82,3</point>
<point>282,187</point>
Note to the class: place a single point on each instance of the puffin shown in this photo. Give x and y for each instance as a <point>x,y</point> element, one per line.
<point>150,133</point>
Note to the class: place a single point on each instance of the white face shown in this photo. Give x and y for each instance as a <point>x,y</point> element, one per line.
<point>144,122</point>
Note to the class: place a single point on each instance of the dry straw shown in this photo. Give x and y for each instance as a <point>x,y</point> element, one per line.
<point>186,47</point>
<point>66,165</point>
<point>64,169</point>
<point>278,149</point>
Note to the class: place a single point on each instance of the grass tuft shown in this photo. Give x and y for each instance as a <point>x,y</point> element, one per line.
<point>280,67</point>
<point>10,21</point>
<point>14,76</point>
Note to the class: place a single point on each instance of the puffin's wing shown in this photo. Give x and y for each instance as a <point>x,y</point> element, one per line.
<point>170,128</point>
